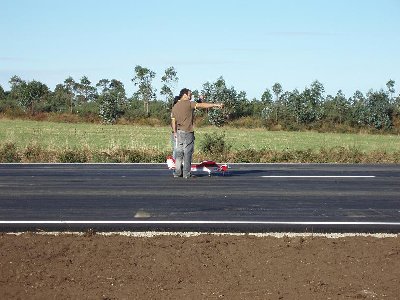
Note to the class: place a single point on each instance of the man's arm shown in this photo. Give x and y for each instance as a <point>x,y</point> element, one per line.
<point>209,105</point>
<point>173,125</point>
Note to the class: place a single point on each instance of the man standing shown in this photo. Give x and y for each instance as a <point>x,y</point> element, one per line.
<point>182,126</point>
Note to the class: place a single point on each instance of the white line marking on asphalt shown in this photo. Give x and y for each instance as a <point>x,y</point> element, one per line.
<point>200,222</point>
<point>314,176</point>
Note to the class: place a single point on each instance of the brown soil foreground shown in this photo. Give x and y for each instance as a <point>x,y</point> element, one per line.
<point>94,266</point>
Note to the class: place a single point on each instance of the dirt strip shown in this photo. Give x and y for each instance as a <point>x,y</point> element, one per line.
<point>199,266</point>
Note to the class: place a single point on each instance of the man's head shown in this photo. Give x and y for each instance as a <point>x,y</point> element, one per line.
<point>185,94</point>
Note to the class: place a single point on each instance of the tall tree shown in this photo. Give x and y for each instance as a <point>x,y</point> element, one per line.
<point>16,84</point>
<point>69,86</point>
<point>358,110</point>
<point>143,80</point>
<point>232,100</point>
<point>31,93</point>
<point>111,99</point>
<point>266,97</point>
<point>267,106</point>
<point>60,99</point>
<point>379,110</point>
<point>2,93</point>
<point>169,80</point>
<point>337,108</point>
<point>294,106</point>
<point>277,89</point>
<point>390,86</point>
<point>103,85</point>
<point>317,92</point>
<point>84,90</point>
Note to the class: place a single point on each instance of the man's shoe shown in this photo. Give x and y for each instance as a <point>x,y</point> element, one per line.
<point>190,176</point>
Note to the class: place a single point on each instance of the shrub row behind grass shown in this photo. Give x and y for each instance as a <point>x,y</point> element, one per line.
<point>9,153</point>
<point>333,155</point>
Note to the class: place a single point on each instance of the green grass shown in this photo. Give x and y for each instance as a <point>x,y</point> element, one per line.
<point>282,140</point>
<point>92,136</point>
<point>57,136</point>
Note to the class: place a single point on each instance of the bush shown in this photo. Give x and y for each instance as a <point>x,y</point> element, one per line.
<point>247,122</point>
<point>146,156</point>
<point>73,156</point>
<point>34,153</point>
<point>135,156</point>
<point>106,157</point>
<point>65,118</point>
<point>248,156</point>
<point>214,148</point>
<point>89,112</point>
<point>9,153</point>
<point>118,155</point>
<point>215,144</point>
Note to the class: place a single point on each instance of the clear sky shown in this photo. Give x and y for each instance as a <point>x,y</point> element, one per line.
<point>345,44</point>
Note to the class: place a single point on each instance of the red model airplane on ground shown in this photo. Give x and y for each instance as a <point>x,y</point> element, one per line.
<point>208,166</point>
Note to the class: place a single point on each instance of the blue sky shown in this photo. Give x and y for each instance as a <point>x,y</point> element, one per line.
<point>349,45</point>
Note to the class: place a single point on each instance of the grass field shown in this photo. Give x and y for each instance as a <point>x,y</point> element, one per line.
<point>92,136</point>
<point>99,137</point>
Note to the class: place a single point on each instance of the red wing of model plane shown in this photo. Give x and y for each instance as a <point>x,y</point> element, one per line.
<point>208,166</point>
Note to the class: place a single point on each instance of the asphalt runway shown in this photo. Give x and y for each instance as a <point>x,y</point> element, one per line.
<point>249,198</point>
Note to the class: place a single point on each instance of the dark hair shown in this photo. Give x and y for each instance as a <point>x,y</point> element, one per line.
<point>176,99</point>
<point>184,91</point>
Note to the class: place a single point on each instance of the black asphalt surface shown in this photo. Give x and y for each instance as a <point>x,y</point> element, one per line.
<point>115,197</point>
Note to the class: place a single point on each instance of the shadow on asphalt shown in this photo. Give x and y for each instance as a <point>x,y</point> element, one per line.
<point>232,173</point>
<point>244,172</point>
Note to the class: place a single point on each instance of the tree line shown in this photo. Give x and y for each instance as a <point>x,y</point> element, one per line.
<point>107,101</point>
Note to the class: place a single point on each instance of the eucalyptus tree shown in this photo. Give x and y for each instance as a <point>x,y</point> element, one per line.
<point>169,80</point>
<point>317,92</point>
<point>314,97</point>
<point>111,99</point>
<point>3,99</point>
<point>294,106</point>
<point>358,110</point>
<point>69,87</point>
<point>60,99</point>
<point>337,109</point>
<point>266,97</point>
<point>266,101</point>
<point>2,93</point>
<point>242,105</point>
<point>103,85</point>
<point>16,84</point>
<point>196,95</point>
<point>397,104</point>
<point>143,80</point>
<point>31,93</point>
<point>317,98</point>
<point>232,100</point>
<point>277,89</point>
<point>84,91</point>
<point>391,90</point>
<point>379,110</point>
<point>14,94</point>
